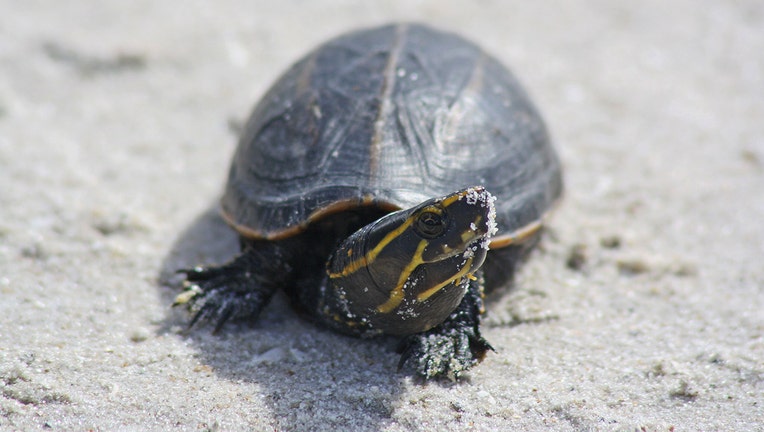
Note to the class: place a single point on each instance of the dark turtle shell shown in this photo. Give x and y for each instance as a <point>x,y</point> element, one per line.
<point>391,117</point>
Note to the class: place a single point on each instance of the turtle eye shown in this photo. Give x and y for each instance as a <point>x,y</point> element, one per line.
<point>430,224</point>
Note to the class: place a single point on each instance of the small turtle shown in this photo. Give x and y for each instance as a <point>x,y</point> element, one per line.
<point>361,185</point>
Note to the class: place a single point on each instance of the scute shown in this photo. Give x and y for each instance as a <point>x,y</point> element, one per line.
<point>391,116</point>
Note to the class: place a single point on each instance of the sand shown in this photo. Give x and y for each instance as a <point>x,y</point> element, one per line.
<point>643,309</point>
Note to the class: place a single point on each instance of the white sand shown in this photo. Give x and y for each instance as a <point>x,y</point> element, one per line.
<point>114,145</point>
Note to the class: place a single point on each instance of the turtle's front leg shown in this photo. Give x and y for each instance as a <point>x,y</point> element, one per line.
<point>238,289</point>
<point>453,346</point>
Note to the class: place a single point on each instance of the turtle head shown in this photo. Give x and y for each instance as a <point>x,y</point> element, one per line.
<point>407,271</point>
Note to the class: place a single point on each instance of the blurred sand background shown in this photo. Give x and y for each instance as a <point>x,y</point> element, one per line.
<point>643,309</point>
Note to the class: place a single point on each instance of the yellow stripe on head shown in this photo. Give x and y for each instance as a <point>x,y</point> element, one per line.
<point>370,256</point>
<point>451,199</point>
<point>397,294</point>
<point>424,295</point>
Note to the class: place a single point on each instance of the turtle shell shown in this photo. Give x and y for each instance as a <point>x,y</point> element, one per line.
<point>391,117</point>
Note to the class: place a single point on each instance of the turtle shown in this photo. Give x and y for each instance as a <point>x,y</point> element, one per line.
<point>387,181</point>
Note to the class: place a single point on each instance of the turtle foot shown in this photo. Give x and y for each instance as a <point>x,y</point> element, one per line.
<point>442,352</point>
<point>454,346</point>
<point>233,290</point>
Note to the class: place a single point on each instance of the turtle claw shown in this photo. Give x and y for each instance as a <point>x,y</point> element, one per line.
<point>186,296</point>
<point>217,294</point>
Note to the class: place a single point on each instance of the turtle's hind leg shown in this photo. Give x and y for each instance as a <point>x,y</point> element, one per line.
<point>237,289</point>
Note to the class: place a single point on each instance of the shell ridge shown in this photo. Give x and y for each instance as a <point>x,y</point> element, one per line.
<point>385,103</point>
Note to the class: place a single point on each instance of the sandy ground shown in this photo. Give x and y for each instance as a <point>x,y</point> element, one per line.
<point>642,310</point>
